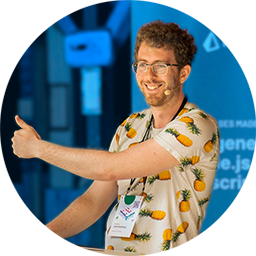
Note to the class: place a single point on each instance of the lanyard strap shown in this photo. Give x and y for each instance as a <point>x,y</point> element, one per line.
<point>146,137</point>
<point>132,181</point>
<point>181,107</point>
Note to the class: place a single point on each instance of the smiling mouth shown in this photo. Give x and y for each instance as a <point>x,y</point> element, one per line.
<point>153,87</point>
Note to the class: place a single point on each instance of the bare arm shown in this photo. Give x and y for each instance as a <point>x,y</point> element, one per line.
<point>85,210</point>
<point>145,159</point>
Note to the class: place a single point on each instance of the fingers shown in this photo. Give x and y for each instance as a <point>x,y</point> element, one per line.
<point>13,146</point>
<point>20,122</point>
<point>24,140</point>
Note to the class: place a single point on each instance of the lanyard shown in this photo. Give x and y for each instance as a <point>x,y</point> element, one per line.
<point>146,137</point>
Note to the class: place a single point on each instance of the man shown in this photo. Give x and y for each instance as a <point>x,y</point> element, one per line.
<point>166,154</point>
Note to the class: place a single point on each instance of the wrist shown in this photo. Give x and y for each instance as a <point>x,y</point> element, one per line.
<point>38,148</point>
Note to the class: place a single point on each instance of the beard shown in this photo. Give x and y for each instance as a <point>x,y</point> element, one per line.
<point>159,99</point>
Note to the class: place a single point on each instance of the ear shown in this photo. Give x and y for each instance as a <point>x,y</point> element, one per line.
<point>184,73</point>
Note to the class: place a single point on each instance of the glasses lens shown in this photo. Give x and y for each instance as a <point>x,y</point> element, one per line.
<point>141,68</point>
<point>134,67</point>
<point>160,69</point>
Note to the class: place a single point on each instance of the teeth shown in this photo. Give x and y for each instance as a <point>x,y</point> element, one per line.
<point>152,87</point>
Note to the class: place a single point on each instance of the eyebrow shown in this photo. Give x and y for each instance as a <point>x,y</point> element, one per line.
<point>153,62</point>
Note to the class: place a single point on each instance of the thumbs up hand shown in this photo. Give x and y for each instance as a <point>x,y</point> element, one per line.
<point>25,141</point>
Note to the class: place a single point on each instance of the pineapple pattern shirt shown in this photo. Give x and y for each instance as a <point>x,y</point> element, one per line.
<point>175,200</point>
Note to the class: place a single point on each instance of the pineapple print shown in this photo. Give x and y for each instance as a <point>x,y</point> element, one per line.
<point>140,116</point>
<point>213,157</point>
<point>203,115</point>
<point>193,129</point>
<point>167,236</point>
<point>190,124</point>
<point>111,247</point>
<point>129,249</point>
<point>186,161</point>
<point>137,115</point>
<point>186,120</point>
<point>155,215</point>
<point>184,205</point>
<point>133,144</point>
<point>165,175</point>
<point>138,183</point>
<point>180,230</point>
<point>147,197</point>
<point>131,133</point>
<point>140,237</point>
<point>117,139</point>
<point>199,184</point>
<point>133,115</point>
<point>203,201</point>
<point>118,201</point>
<point>210,143</point>
<point>184,140</point>
<point>178,194</point>
<point>185,110</point>
<point>124,122</point>
<point>195,160</point>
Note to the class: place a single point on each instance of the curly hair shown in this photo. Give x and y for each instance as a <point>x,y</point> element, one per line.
<point>170,36</point>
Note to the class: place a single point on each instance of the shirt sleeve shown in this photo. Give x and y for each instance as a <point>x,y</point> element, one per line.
<point>194,134</point>
<point>115,143</point>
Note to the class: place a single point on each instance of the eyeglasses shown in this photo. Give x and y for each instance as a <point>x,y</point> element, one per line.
<point>159,68</point>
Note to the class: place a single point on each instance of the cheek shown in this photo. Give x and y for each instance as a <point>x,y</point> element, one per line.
<point>169,80</point>
<point>139,79</point>
<point>172,79</point>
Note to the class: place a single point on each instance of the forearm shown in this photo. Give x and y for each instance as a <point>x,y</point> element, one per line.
<point>85,210</point>
<point>73,220</point>
<point>87,163</point>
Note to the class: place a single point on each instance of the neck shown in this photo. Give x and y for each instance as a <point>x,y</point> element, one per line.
<point>164,114</point>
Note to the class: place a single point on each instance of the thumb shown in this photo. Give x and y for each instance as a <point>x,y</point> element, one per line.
<point>20,122</point>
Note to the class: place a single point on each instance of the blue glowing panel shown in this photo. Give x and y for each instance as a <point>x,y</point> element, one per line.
<point>89,48</point>
<point>91,91</point>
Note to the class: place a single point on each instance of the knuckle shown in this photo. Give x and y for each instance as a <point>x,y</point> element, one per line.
<point>16,133</point>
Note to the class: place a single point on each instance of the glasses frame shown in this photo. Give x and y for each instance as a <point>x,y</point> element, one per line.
<point>147,64</point>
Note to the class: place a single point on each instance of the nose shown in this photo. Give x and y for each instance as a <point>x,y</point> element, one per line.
<point>149,73</point>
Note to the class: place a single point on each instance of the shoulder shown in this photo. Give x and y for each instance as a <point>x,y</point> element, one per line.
<point>192,133</point>
<point>135,124</point>
<point>137,118</point>
<point>195,125</point>
<point>191,115</point>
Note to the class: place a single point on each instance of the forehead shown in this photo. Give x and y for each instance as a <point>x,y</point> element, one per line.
<point>152,54</point>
